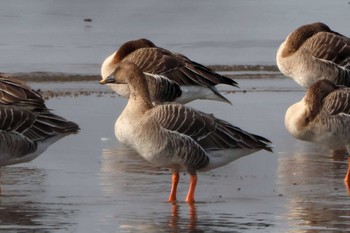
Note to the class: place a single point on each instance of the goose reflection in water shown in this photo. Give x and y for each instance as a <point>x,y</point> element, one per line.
<point>124,159</point>
<point>194,217</point>
<point>24,206</point>
<point>124,173</point>
<point>176,220</point>
<point>311,181</point>
<point>135,185</point>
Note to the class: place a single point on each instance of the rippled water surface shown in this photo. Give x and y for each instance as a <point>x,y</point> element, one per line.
<point>51,35</point>
<point>90,183</point>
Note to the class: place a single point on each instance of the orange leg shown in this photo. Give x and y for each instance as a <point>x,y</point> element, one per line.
<point>347,177</point>
<point>193,183</point>
<point>175,181</point>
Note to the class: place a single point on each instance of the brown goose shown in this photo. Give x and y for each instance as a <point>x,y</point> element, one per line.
<point>177,78</point>
<point>176,136</point>
<point>313,52</point>
<point>27,127</point>
<point>323,117</point>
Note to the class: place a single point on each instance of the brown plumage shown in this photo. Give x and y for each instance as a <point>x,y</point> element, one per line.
<point>313,52</point>
<point>27,127</point>
<point>153,60</point>
<point>175,136</point>
<point>322,117</point>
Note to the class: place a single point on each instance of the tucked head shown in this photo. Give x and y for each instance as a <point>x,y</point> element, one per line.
<point>301,34</point>
<point>315,27</point>
<point>131,46</point>
<point>111,62</point>
<point>309,30</point>
<point>319,90</point>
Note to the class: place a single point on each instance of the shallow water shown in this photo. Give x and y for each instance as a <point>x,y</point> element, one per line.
<point>90,183</point>
<point>52,36</point>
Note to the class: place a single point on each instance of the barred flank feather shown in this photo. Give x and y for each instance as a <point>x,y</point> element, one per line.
<point>15,144</point>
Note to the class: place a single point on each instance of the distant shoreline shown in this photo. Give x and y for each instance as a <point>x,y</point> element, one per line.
<point>232,71</point>
<point>50,82</point>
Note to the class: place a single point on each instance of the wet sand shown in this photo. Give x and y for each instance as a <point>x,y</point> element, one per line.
<point>90,183</point>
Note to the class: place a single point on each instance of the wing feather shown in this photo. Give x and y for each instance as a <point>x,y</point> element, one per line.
<point>15,92</point>
<point>176,67</point>
<point>331,47</point>
<point>206,130</point>
<point>162,89</point>
<point>337,102</point>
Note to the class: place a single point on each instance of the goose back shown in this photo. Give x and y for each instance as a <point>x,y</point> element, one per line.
<point>313,52</point>
<point>196,78</point>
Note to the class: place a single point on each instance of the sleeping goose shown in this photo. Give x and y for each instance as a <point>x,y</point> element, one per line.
<point>175,136</point>
<point>313,52</point>
<point>186,79</point>
<point>27,127</point>
<point>323,117</point>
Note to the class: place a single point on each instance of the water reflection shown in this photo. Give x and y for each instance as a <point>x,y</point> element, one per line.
<point>200,217</point>
<point>140,191</point>
<point>124,171</point>
<point>312,181</point>
<point>176,223</point>
<point>124,159</point>
<point>22,205</point>
<point>179,218</point>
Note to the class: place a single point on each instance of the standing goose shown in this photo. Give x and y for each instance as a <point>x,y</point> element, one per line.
<point>171,77</point>
<point>176,136</point>
<point>313,52</point>
<point>27,127</point>
<point>323,117</point>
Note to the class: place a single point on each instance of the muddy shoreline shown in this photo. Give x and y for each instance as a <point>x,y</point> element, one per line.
<point>54,84</point>
<point>231,71</point>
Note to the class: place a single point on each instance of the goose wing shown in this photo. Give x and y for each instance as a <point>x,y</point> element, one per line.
<point>23,110</point>
<point>337,102</point>
<point>14,144</point>
<point>209,132</point>
<point>176,67</point>
<point>20,130</point>
<point>34,125</point>
<point>331,47</point>
<point>48,125</point>
<point>162,89</point>
<point>15,92</point>
<point>14,119</point>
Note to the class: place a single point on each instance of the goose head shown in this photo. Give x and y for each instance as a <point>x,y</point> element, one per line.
<point>111,62</point>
